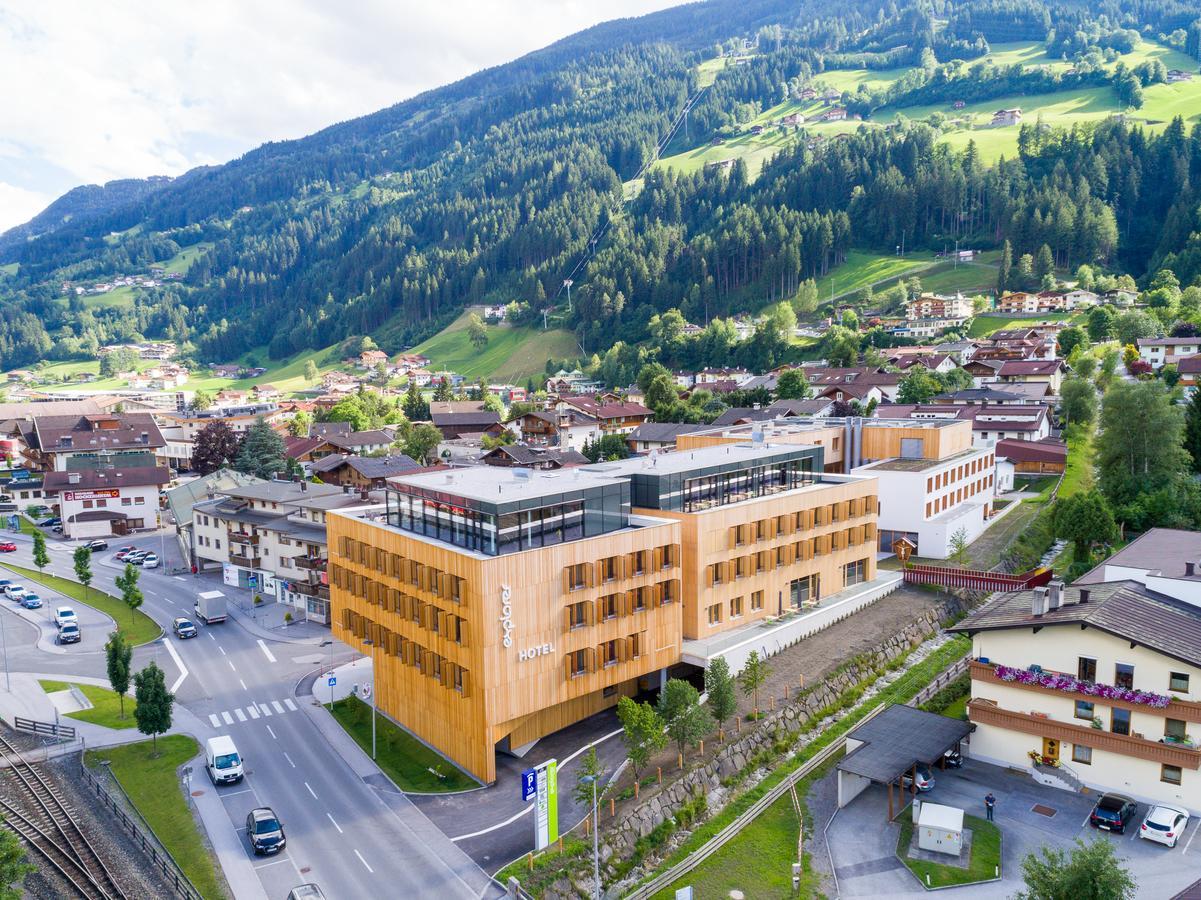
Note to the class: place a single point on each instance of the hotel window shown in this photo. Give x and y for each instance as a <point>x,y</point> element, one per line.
<point>609,568</point>
<point>1178,682</point>
<point>635,645</point>
<point>762,532</point>
<point>459,679</point>
<point>1084,710</point>
<point>1082,754</point>
<point>761,559</point>
<point>756,600</point>
<point>1123,676</point>
<point>1176,729</point>
<point>741,567</point>
<point>717,573</point>
<point>577,615</point>
<point>1086,668</point>
<point>739,535</point>
<point>735,607</point>
<point>669,592</point>
<point>578,661</point>
<point>577,576</point>
<point>608,651</point>
<point>638,562</point>
<point>781,556</point>
<point>1119,721</point>
<point>638,599</point>
<point>610,608</point>
<point>715,614</point>
<point>854,572</point>
<point>1170,774</point>
<point>668,552</point>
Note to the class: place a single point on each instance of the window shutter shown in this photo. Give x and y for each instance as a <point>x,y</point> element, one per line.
<point>657,558</point>
<point>466,683</point>
<point>598,609</point>
<point>566,619</point>
<point>623,649</point>
<point>567,579</point>
<point>590,653</point>
<point>567,664</point>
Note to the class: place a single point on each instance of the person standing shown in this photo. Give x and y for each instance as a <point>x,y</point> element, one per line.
<point>989,802</point>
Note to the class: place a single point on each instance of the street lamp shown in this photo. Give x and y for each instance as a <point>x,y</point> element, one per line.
<point>595,836</point>
<point>370,643</point>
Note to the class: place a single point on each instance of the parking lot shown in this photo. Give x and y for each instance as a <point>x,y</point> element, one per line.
<point>863,853</point>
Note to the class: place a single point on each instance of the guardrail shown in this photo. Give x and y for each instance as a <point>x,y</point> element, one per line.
<point>141,833</point>
<point>723,837</point>
<point>940,682</point>
<point>45,729</point>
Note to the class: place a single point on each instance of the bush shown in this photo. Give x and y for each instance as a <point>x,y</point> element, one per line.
<point>956,690</point>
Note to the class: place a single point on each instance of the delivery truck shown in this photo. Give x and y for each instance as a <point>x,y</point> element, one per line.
<point>210,607</point>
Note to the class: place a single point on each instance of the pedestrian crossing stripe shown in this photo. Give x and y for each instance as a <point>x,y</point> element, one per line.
<point>229,720</point>
<point>288,703</point>
<point>253,711</point>
<point>265,709</point>
<point>279,708</point>
<point>213,718</point>
<point>241,715</point>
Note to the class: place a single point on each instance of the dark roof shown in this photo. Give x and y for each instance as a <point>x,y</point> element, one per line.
<point>1124,609</point>
<point>456,406</point>
<point>139,476</point>
<point>96,431</point>
<point>1030,367</point>
<point>736,415</point>
<point>480,418</point>
<point>523,455</point>
<point>367,466</point>
<point>1192,892</point>
<point>899,738</point>
<point>662,432</point>
<point>321,429</point>
<point>1162,550</point>
<point>360,439</point>
<point>1189,365</point>
<point>979,395</point>
<point>1046,450</point>
<point>296,447</point>
<point>814,407</point>
<point>589,406</point>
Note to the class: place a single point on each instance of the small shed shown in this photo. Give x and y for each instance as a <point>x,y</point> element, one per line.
<point>940,829</point>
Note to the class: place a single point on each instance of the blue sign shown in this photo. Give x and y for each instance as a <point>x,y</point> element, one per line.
<point>13,523</point>
<point>252,581</point>
<point>529,784</point>
<point>333,679</point>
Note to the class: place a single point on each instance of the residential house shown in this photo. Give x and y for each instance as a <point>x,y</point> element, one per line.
<point>550,428</point>
<point>521,456</point>
<point>362,472</point>
<point>1042,457</point>
<point>1004,117</point>
<point>1161,351</point>
<point>620,417</point>
<point>454,424</point>
<point>659,435</point>
<point>1049,371</point>
<point>937,306</point>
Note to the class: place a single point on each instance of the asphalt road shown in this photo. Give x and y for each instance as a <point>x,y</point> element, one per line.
<point>342,833</point>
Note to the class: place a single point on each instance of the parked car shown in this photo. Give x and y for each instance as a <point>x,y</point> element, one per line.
<point>183,628</point>
<point>1112,813</point>
<point>69,634</point>
<point>925,779</point>
<point>4,583</point>
<point>7,547</point>
<point>57,529</point>
<point>265,831</point>
<point>137,556</point>
<point>51,522</point>
<point>1164,824</point>
<point>310,891</point>
<point>31,601</point>
<point>953,759</point>
<point>96,545</point>
<point>64,615</point>
<point>14,591</point>
<point>149,561</point>
<point>123,552</point>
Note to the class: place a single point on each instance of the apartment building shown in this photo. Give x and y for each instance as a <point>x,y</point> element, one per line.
<point>505,604</point>
<point>937,306</point>
<point>1104,678</point>
<point>270,537</point>
<point>1161,351</point>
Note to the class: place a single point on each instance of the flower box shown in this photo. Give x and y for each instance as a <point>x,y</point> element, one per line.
<point>1068,684</point>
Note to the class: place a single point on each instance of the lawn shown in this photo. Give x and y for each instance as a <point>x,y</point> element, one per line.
<point>121,298</point>
<point>511,354</point>
<point>10,268</point>
<point>182,261</point>
<point>862,269</point>
<point>1079,473</point>
<point>706,72</point>
<point>28,527</point>
<point>286,374</point>
<point>403,758</point>
<point>106,705</point>
<point>754,149</point>
<point>152,783</point>
<point>986,854</point>
<point>983,326</point>
<point>970,278</point>
<point>139,628</point>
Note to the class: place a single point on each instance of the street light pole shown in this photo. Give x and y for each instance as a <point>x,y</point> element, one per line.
<point>371,644</point>
<point>595,839</point>
<point>4,641</point>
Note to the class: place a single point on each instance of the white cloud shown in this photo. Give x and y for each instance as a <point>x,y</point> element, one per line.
<point>93,92</point>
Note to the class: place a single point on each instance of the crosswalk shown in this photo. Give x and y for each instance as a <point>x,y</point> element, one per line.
<point>253,711</point>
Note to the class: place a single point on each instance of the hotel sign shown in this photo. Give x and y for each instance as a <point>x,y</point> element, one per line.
<point>506,615</point>
<point>103,494</point>
<point>546,808</point>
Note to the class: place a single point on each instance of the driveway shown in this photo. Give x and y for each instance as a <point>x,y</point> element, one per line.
<point>862,851</point>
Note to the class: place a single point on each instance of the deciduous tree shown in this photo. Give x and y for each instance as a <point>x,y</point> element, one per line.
<point>41,558</point>
<point>642,731</point>
<point>753,676</point>
<point>793,385</point>
<point>154,702</point>
<point>687,721</point>
<point>82,558</point>
<point>1086,520</point>
<point>1077,401</point>
<point>118,657</point>
<point>216,447</point>
<point>131,594</point>
<point>719,685</point>
<point>1092,871</point>
<point>1139,448</point>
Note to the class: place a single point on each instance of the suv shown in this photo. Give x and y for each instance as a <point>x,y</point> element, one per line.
<point>183,628</point>
<point>31,601</point>
<point>14,591</point>
<point>64,615</point>
<point>96,545</point>
<point>265,831</point>
<point>68,634</point>
<point>1112,812</point>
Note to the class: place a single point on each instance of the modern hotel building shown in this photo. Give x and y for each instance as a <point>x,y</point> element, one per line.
<point>502,605</point>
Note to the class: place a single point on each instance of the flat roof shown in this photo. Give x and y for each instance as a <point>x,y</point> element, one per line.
<point>279,491</point>
<point>898,739</point>
<point>498,484</point>
<point>1161,550</point>
<point>919,465</point>
<point>702,458</point>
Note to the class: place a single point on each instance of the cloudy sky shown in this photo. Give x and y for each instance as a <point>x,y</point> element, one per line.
<point>91,91</point>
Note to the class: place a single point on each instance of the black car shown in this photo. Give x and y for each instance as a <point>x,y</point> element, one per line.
<point>96,545</point>
<point>51,522</point>
<point>1112,813</point>
<point>953,759</point>
<point>265,831</point>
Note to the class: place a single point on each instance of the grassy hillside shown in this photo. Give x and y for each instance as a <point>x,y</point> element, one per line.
<point>512,354</point>
<point>983,326</point>
<point>121,298</point>
<point>182,261</point>
<point>879,270</point>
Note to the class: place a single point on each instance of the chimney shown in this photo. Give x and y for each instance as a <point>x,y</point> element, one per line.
<point>1190,569</point>
<point>1038,603</point>
<point>1056,594</point>
<point>1084,595</point>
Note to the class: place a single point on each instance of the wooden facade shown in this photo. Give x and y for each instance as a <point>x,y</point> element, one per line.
<point>585,620</point>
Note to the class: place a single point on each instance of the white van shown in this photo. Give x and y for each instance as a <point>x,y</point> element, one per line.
<point>222,760</point>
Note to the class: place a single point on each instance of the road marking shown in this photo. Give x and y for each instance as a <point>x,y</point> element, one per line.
<point>311,791</point>
<point>1189,843</point>
<point>229,720</point>
<point>219,647</point>
<point>211,638</point>
<point>235,793</point>
<point>272,863</point>
<point>289,759</point>
<point>241,715</point>
<point>288,703</point>
<point>364,862</point>
<point>273,735</point>
<point>230,663</point>
<point>183,670</point>
<point>213,718</point>
<point>278,707</point>
<point>243,683</point>
<point>270,655</point>
<point>336,825</point>
<point>253,710</point>
<point>265,709</point>
<point>508,821</point>
<point>178,577</point>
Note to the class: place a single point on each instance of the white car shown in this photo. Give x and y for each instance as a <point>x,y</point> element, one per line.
<point>150,561</point>
<point>63,615</point>
<point>14,591</point>
<point>1164,824</point>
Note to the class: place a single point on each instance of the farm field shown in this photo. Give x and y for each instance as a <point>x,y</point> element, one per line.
<point>511,354</point>
<point>120,298</point>
<point>982,326</point>
<point>755,149</point>
<point>10,268</point>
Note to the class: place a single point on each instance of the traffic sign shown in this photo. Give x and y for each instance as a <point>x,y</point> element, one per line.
<point>333,679</point>
<point>529,784</point>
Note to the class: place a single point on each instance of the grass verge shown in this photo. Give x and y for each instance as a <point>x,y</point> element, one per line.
<point>139,628</point>
<point>106,705</point>
<point>152,783</point>
<point>403,758</point>
<point>983,866</point>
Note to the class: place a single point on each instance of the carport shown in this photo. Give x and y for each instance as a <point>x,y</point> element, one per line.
<point>890,745</point>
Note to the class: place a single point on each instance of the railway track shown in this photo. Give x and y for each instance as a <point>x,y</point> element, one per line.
<point>46,824</point>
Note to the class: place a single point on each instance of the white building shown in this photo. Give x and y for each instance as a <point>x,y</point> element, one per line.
<point>1164,350</point>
